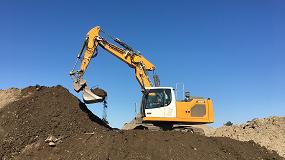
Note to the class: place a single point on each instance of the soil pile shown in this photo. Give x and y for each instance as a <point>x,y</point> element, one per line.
<point>268,132</point>
<point>40,113</point>
<point>51,123</point>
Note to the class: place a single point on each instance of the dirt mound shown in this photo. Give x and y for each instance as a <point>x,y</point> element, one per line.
<point>45,112</point>
<point>51,123</point>
<point>268,132</point>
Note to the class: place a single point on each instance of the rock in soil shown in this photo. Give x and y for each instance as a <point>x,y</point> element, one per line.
<point>52,144</point>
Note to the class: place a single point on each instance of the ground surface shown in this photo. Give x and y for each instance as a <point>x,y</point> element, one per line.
<point>50,123</point>
<point>268,132</point>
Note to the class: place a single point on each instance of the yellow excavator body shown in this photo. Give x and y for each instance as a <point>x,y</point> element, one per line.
<point>196,111</point>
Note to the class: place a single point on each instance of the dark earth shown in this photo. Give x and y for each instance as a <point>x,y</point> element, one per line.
<point>27,125</point>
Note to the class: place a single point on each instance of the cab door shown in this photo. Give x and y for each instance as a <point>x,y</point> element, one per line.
<point>154,103</point>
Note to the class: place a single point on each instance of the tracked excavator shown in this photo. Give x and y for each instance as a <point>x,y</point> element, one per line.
<point>159,109</point>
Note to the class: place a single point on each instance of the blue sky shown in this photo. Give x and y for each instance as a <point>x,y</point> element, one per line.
<point>230,51</point>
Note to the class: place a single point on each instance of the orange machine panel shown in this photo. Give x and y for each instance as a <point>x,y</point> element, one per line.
<point>196,110</point>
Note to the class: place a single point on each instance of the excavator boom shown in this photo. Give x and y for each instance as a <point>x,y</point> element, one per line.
<point>126,54</point>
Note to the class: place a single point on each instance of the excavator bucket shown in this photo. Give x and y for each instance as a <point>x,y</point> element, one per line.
<point>89,95</point>
<point>92,96</point>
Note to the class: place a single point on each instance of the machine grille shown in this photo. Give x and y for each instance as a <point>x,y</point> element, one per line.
<point>199,110</point>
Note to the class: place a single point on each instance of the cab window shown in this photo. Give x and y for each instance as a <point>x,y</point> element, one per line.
<point>158,98</point>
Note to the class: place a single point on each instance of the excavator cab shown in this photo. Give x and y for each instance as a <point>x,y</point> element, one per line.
<point>160,104</point>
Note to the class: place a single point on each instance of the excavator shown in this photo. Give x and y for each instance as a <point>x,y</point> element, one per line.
<point>159,109</point>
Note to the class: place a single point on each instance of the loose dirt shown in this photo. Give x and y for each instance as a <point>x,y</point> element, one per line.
<point>51,123</point>
<point>268,132</point>
<point>99,92</point>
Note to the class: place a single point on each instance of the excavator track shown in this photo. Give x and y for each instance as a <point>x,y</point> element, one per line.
<point>137,123</point>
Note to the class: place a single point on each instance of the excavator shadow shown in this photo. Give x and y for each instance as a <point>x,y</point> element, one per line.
<point>92,116</point>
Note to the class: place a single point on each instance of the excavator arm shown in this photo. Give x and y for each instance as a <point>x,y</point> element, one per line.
<point>126,54</point>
